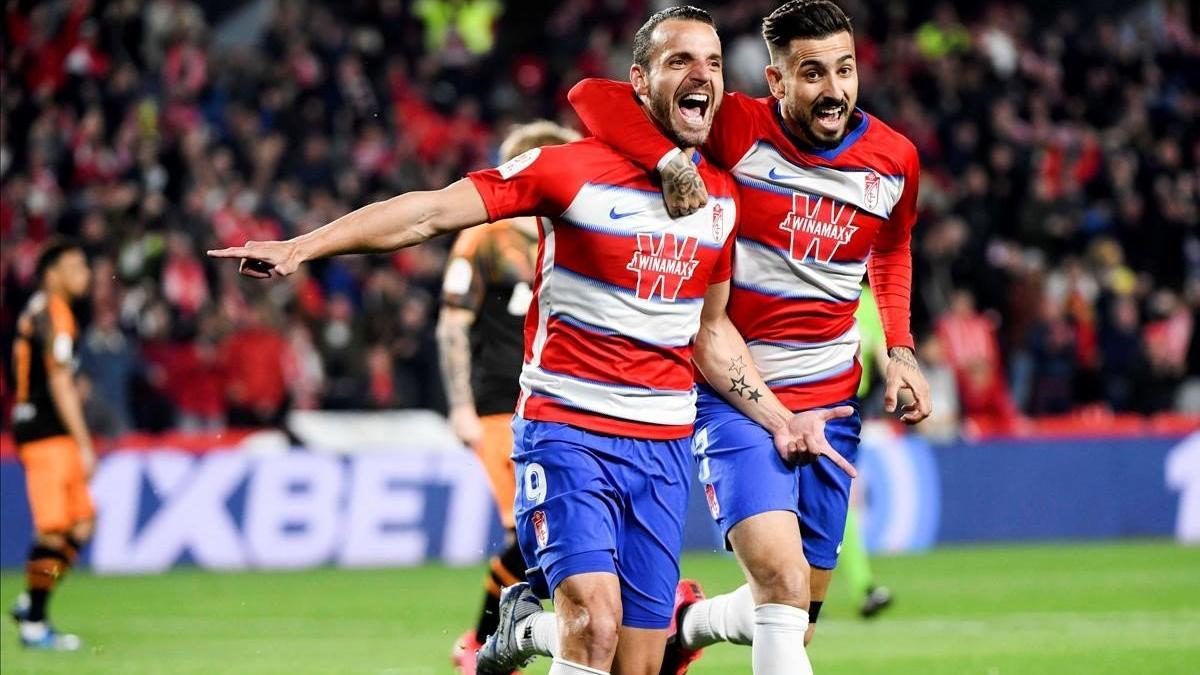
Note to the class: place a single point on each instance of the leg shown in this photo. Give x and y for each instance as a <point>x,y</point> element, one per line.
<point>753,496</point>
<point>62,518</point>
<point>568,513</point>
<point>856,568</point>
<point>769,549</point>
<point>507,567</point>
<point>656,494</point>
<point>640,652</point>
<point>588,609</point>
<point>824,499</point>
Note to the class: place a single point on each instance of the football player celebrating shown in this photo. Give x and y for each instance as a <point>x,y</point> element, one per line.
<point>606,409</point>
<point>828,194</point>
<point>480,333</point>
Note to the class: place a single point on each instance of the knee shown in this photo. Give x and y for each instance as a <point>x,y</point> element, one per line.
<point>52,540</point>
<point>782,584</point>
<point>596,628</point>
<point>81,532</point>
<point>592,621</point>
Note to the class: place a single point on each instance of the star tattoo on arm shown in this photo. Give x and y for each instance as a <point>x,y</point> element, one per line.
<point>739,385</point>
<point>737,366</point>
<point>753,395</point>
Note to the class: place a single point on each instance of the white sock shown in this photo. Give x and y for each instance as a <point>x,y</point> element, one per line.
<point>538,634</point>
<point>779,640</point>
<point>563,667</point>
<point>723,618</point>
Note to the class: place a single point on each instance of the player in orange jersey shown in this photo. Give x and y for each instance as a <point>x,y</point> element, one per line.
<point>52,438</point>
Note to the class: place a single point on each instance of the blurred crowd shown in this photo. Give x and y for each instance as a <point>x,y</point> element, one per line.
<point>1057,256</point>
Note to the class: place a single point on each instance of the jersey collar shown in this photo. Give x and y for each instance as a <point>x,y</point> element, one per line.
<point>827,154</point>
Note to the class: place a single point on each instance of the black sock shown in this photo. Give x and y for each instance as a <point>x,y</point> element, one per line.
<point>37,604</point>
<point>46,565</point>
<point>512,563</point>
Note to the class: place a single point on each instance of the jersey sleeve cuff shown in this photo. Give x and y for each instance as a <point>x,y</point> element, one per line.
<point>666,159</point>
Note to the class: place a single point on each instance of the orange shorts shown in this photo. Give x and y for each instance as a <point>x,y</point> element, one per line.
<point>56,484</point>
<point>494,453</point>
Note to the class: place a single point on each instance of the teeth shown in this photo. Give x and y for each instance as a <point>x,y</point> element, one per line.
<point>698,98</point>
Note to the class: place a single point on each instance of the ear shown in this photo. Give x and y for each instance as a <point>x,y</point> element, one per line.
<point>640,80</point>
<point>775,80</point>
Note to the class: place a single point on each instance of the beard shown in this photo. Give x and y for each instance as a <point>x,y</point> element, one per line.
<point>808,125</point>
<point>662,107</point>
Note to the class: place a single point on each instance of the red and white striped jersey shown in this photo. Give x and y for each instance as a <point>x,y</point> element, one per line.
<point>813,224</point>
<point>618,289</point>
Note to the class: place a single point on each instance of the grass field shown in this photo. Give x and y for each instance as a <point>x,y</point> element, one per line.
<point>1119,608</point>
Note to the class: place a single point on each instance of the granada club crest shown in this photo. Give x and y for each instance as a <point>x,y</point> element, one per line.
<point>540,529</point>
<point>710,493</point>
<point>871,190</point>
<point>718,222</point>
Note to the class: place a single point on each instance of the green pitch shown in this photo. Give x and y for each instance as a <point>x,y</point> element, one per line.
<point>1118,608</point>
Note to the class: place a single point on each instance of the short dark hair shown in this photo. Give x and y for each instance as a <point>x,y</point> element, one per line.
<point>641,39</point>
<point>804,19</point>
<point>52,251</point>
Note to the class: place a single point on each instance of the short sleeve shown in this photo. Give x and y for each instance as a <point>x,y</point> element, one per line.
<point>522,186</point>
<point>463,283</point>
<point>58,332</point>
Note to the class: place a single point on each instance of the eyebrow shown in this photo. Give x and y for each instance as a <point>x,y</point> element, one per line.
<point>817,62</point>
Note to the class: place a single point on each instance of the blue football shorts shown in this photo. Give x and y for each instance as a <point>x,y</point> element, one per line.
<point>743,475</point>
<point>588,502</point>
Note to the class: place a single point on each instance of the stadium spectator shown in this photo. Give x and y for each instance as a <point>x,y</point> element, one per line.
<point>1047,136</point>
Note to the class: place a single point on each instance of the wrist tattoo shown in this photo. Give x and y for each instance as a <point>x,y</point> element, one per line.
<point>904,355</point>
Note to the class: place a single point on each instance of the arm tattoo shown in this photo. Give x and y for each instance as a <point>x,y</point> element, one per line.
<point>737,366</point>
<point>738,385</point>
<point>904,356</point>
<point>454,348</point>
<point>753,395</point>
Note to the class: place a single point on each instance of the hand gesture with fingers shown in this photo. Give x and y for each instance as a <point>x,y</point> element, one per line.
<point>802,441</point>
<point>262,259</point>
<point>903,372</point>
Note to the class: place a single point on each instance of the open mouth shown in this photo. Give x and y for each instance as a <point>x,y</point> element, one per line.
<point>830,117</point>
<point>693,108</point>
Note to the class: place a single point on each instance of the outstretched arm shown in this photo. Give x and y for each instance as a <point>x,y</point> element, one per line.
<point>399,222</point>
<point>722,356</point>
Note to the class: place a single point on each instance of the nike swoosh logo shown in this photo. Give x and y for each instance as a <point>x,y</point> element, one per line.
<point>780,176</point>
<point>612,213</point>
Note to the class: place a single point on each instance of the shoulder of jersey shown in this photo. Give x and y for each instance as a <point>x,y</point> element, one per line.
<point>889,146</point>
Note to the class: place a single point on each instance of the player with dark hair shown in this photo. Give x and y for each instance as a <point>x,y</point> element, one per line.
<point>485,295</point>
<point>52,438</point>
<point>829,195</point>
<point>607,405</point>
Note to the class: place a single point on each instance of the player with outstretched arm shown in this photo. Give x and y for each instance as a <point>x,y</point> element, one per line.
<point>486,291</point>
<point>607,406</point>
